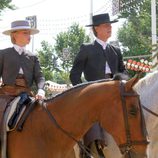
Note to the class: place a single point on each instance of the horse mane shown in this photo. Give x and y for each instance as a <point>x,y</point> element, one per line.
<point>84,84</point>
<point>146,82</point>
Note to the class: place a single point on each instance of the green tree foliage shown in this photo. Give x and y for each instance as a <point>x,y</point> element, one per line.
<point>72,39</point>
<point>48,60</point>
<point>56,61</point>
<point>4,4</point>
<point>136,31</point>
<point>67,46</point>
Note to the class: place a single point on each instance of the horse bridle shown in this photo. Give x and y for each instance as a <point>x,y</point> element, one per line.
<point>126,148</point>
<point>150,111</point>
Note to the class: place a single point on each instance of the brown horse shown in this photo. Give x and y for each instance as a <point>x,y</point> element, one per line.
<point>51,130</point>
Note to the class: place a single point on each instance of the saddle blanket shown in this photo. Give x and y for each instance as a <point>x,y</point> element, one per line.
<point>12,109</point>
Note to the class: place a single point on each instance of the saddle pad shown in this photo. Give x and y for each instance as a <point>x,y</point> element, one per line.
<point>13,105</point>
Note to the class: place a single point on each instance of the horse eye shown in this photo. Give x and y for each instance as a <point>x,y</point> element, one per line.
<point>133,110</point>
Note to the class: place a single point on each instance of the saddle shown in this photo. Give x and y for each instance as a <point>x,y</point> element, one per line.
<point>11,114</point>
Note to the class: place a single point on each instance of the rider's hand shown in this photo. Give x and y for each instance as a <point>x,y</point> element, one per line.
<point>40,95</point>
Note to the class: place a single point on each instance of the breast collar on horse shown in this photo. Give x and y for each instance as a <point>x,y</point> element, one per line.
<point>126,147</point>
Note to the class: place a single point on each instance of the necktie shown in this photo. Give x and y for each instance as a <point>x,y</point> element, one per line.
<point>21,51</point>
<point>107,67</point>
<point>105,54</point>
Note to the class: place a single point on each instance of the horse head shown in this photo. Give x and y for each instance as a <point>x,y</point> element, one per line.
<point>134,142</point>
<point>147,88</point>
<point>135,146</point>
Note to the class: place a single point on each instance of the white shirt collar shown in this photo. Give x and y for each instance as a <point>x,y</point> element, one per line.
<point>102,43</point>
<point>19,49</point>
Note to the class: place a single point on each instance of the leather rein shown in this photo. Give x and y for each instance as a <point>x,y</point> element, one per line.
<point>150,111</point>
<point>80,144</point>
<point>127,147</point>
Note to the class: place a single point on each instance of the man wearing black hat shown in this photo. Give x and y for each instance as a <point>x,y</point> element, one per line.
<point>98,60</point>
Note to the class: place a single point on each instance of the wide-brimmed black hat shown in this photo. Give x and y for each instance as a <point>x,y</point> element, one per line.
<point>101,19</point>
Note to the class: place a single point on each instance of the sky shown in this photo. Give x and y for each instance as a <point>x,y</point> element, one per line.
<point>53,17</point>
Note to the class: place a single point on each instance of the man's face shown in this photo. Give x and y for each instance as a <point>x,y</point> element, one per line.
<point>22,37</point>
<point>104,31</point>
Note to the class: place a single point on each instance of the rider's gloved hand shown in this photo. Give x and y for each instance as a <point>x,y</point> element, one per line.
<point>40,95</point>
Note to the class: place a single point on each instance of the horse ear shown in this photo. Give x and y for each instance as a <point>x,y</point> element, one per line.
<point>132,81</point>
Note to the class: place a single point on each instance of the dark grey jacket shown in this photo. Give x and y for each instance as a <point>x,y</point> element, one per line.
<point>91,61</point>
<point>10,63</point>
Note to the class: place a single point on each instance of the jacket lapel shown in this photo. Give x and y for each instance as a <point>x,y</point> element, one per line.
<point>99,50</point>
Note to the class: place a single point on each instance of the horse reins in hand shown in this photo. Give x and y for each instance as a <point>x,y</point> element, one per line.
<point>80,144</point>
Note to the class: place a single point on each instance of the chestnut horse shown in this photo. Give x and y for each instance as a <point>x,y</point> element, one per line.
<point>52,129</point>
<point>147,88</point>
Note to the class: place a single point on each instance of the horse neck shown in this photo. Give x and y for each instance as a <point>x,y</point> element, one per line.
<point>147,88</point>
<point>77,112</point>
